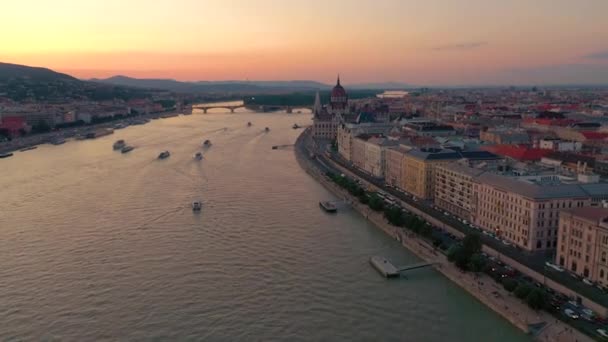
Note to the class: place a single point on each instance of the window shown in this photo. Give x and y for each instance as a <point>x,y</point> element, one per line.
<point>602,274</point>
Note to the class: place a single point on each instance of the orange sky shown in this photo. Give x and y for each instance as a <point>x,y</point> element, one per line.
<point>420,42</point>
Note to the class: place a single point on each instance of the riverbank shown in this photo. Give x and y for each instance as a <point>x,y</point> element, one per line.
<point>482,287</point>
<point>71,132</point>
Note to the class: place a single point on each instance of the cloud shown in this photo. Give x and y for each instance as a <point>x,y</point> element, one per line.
<point>598,55</point>
<point>460,46</point>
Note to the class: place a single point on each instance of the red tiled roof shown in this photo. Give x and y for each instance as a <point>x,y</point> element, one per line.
<point>521,153</point>
<point>590,135</point>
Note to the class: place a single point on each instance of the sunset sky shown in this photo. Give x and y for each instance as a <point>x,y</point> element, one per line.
<point>427,42</point>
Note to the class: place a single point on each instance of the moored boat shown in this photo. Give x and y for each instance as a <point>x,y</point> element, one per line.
<point>164,154</point>
<point>198,156</point>
<point>119,144</point>
<point>58,141</point>
<point>328,206</point>
<point>249,124</point>
<point>28,148</point>
<point>267,129</point>
<point>295,126</point>
<point>127,149</point>
<point>207,143</point>
<point>6,155</point>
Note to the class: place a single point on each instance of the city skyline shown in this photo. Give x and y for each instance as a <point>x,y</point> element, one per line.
<point>435,43</point>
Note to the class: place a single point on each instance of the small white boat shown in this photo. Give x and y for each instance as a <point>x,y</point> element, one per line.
<point>164,155</point>
<point>6,155</point>
<point>328,206</point>
<point>295,126</point>
<point>119,144</point>
<point>198,156</point>
<point>267,129</point>
<point>207,143</point>
<point>197,206</point>
<point>249,124</point>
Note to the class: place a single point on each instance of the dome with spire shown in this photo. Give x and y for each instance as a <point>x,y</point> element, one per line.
<point>338,98</point>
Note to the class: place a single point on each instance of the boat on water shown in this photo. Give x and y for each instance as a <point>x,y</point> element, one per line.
<point>164,154</point>
<point>295,126</point>
<point>119,144</point>
<point>249,124</point>
<point>127,149</point>
<point>197,206</point>
<point>267,129</point>
<point>328,206</point>
<point>198,156</point>
<point>207,143</point>
<point>28,148</point>
<point>58,141</point>
<point>6,155</point>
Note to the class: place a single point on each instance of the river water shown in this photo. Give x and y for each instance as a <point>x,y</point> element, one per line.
<point>99,245</point>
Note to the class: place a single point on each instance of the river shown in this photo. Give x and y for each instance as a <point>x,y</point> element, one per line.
<point>99,245</point>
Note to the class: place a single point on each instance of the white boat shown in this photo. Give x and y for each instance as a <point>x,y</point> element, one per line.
<point>207,143</point>
<point>328,206</point>
<point>164,155</point>
<point>197,206</point>
<point>119,144</point>
<point>198,156</point>
<point>267,129</point>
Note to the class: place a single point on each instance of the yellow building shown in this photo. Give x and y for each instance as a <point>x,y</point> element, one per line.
<point>419,166</point>
<point>583,243</point>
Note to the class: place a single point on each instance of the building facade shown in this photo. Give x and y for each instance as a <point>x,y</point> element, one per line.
<point>395,161</point>
<point>326,119</point>
<point>583,243</point>
<point>454,190</point>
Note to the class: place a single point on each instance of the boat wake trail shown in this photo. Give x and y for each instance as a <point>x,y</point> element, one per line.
<point>159,217</point>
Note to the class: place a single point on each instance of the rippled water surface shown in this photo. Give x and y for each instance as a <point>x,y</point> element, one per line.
<point>99,245</point>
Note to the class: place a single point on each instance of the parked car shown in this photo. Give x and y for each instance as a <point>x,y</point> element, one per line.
<point>571,314</point>
<point>602,332</point>
<point>587,281</point>
<point>554,266</point>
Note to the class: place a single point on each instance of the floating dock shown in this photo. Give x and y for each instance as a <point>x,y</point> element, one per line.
<point>384,267</point>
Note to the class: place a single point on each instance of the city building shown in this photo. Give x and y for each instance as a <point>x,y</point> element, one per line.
<point>364,125</point>
<point>418,168</point>
<point>583,243</point>
<point>454,188</point>
<point>326,119</point>
<point>524,210</point>
<point>395,161</point>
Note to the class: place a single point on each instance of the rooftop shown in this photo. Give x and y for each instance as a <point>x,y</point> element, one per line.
<point>594,214</point>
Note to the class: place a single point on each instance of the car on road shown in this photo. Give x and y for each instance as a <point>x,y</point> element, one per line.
<point>571,314</point>
<point>602,332</point>
<point>587,281</point>
<point>554,266</point>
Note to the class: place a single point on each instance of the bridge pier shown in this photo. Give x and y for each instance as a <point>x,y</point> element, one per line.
<point>205,110</point>
<point>231,109</point>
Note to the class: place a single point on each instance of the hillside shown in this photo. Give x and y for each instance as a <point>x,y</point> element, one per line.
<point>25,83</point>
<point>10,71</point>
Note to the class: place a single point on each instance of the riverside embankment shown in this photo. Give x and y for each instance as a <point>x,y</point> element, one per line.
<point>482,287</point>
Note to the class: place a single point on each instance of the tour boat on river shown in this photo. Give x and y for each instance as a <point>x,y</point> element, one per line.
<point>164,155</point>
<point>197,206</point>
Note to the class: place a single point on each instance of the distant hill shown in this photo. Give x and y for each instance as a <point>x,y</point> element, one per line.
<point>10,71</point>
<point>215,86</point>
<point>26,83</point>
<point>236,86</point>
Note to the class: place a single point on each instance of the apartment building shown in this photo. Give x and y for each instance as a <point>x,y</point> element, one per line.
<point>583,243</point>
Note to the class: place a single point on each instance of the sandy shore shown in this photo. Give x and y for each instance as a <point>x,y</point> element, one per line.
<point>482,287</point>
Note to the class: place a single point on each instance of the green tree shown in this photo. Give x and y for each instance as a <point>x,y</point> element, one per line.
<point>509,284</point>
<point>522,291</point>
<point>41,127</point>
<point>471,244</point>
<point>537,299</point>
<point>394,215</point>
<point>375,202</point>
<point>453,252</point>
<point>477,262</point>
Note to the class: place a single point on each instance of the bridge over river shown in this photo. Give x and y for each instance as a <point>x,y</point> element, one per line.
<point>256,108</point>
